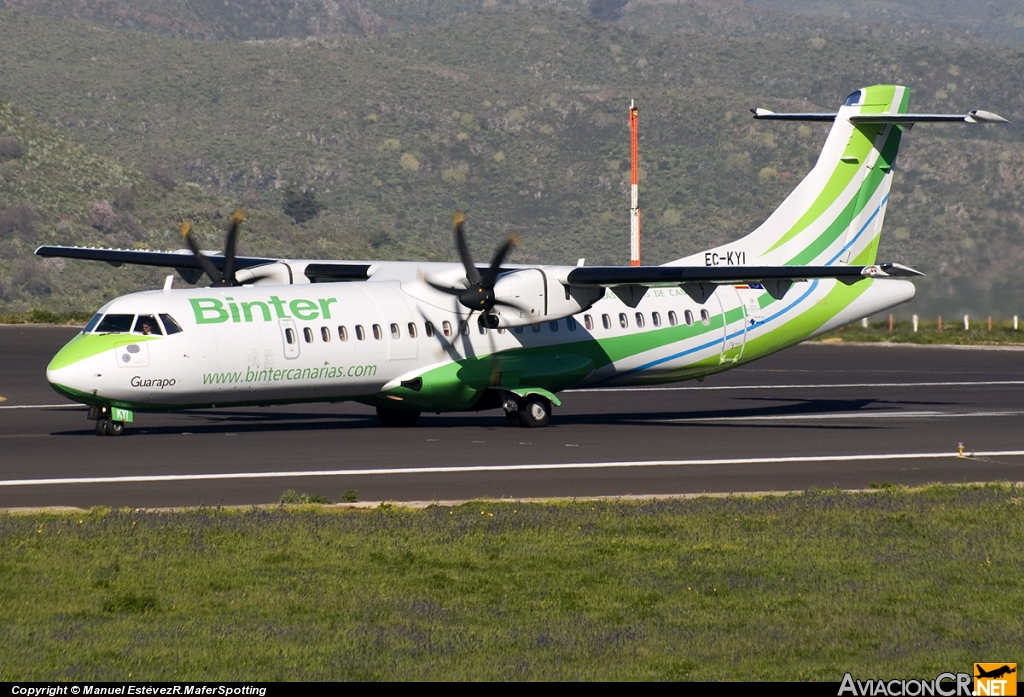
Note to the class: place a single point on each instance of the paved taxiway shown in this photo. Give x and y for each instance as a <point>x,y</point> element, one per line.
<point>814,415</point>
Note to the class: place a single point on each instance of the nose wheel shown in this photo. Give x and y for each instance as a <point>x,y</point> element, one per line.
<point>106,426</point>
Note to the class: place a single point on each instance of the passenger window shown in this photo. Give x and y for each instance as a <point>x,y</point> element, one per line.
<point>308,334</point>
<point>325,334</point>
<point>92,323</point>
<point>342,334</point>
<point>378,333</point>
<point>689,318</point>
<point>412,330</point>
<point>170,326</point>
<point>535,328</point>
<point>146,325</point>
<point>115,324</point>
<point>464,327</point>
<point>606,321</point>
<point>447,327</point>
<point>518,330</point>
<point>570,323</point>
<point>588,322</point>
<point>289,335</point>
<point>396,333</point>
<point>480,325</point>
<point>360,334</point>
<point>656,319</point>
<point>554,325</point>
<point>428,329</point>
<point>673,319</point>
<point>501,330</point>
<point>640,320</point>
<point>623,320</point>
<point>705,318</point>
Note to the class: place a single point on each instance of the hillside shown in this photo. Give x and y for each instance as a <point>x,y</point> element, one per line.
<point>518,116</point>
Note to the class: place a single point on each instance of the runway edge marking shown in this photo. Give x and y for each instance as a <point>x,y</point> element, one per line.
<point>504,468</point>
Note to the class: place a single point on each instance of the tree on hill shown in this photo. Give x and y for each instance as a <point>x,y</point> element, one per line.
<point>300,204</point>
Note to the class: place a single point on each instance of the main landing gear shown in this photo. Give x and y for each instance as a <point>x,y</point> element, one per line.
<point>532,411</point>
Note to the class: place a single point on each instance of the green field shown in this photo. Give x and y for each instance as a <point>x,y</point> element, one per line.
<point>893,582</point>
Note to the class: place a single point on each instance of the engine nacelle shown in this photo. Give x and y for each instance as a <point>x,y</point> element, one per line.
<point>537,295</point>
<point>276,274</point>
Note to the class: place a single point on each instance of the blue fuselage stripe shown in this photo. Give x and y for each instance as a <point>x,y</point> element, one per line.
<point>695,349</point>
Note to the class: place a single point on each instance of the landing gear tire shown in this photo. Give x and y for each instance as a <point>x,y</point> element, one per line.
<point>535,412</point>
<point>397,417</point>
<point>109,427</point>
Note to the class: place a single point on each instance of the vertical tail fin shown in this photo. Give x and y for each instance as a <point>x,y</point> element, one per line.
<point>834,216</point>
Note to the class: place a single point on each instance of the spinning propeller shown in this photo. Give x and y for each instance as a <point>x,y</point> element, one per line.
<point>478,295</point>
<point>219,277</point>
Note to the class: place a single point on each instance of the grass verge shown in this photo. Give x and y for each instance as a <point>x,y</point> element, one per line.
<point>979,334</point>
<point>44,317</point>
<point>894,582</point>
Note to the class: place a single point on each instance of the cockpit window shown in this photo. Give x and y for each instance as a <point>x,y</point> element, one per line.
<point>115,324</point>
<point>853,99</point>
<point>170,325</point>
<point>146,325</point>
<point>92,323</point>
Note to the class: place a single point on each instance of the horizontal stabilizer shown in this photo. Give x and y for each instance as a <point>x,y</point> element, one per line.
<point>973,116</point>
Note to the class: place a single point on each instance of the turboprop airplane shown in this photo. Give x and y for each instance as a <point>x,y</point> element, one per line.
<point>409,337</point>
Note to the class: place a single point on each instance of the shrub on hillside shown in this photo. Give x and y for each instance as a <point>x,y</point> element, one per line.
<point>21,217</point>
<point>162,175</point>
<point>103,215</point>
<point>11,148</point>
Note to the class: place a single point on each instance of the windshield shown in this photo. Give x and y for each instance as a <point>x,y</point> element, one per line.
<point>92,323</point>
<point>115,324</point>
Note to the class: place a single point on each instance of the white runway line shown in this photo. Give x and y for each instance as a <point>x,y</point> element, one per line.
<point>979,383</point>
<point>504,468</point>
<point>40,406</point>
<point>854,415</point>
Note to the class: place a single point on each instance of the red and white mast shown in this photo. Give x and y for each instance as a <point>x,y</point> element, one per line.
<point>634,211</point>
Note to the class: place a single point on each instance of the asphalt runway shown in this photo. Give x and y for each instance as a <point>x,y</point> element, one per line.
<point>811,416</point>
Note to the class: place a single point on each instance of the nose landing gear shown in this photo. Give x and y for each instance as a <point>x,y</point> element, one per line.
<point>110,421</point>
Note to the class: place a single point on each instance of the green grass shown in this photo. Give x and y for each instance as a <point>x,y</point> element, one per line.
<point>44,317</point>
<point>892,582</point>
<point>978,334</point>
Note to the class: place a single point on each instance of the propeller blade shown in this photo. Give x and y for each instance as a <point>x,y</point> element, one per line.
<point>499,259</point>
<point>472,275</point>
<point>237,218</point>
<point>208,266</point>
<point>444,289</point>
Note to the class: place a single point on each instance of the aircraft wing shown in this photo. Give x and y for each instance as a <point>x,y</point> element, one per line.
<point>700,281</point>
<point>186,263</point>
<point>183,259</point>
<point>675,275</point>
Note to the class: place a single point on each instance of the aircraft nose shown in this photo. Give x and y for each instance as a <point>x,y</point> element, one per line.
<point>67,371</point>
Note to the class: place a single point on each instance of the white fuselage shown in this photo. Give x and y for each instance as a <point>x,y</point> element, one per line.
<point>339,341</point>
